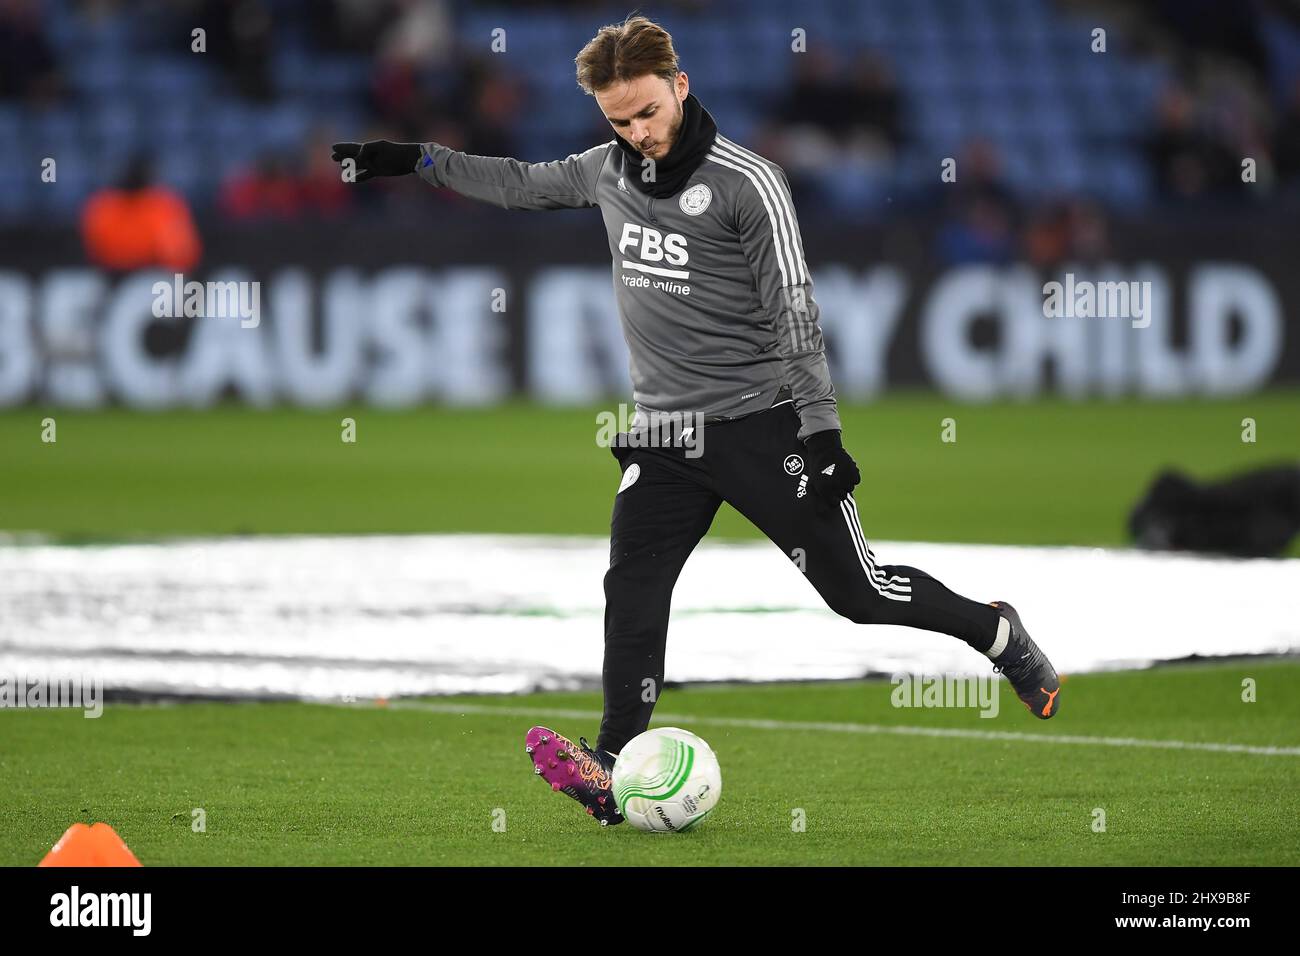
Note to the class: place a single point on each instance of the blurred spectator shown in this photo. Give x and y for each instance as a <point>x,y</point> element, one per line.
<point>981,211</point>
<point>865,104</point>
<point>1071,230</point>
<point>1286,138</point>
<point>402,99</point>
<point>418,32</point>
<point>1231,29</point>
<point>1186,162</point>
<point>1237,118</point>
<point>139,225</point>
<point>353,25</point>
<point>323,191</point>
<point>494,99</point>
<point>287,186</point>
<point>415,50</point>
<point>395,69</point>
<point>477,109</point>
<point>874,99</point>
<point>268,190</point>
<point>28,69</point>
<point>239,37</point>
<point>835,133</point>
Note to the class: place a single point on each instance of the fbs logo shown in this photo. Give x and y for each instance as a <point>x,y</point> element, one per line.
<point>651,245</point>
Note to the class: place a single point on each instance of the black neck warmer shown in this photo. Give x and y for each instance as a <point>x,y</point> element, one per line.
<point>694,140</point>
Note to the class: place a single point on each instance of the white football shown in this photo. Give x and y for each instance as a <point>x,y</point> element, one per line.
<point>666,780</point>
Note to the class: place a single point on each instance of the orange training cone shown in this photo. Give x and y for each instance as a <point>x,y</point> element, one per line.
<point>98,845</point>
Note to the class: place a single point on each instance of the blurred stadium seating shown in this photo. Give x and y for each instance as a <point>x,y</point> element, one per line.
<point>1125,162</point>
<point>103,81</point>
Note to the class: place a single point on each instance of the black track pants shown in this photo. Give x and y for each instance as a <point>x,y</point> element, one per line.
<point>667,502</point>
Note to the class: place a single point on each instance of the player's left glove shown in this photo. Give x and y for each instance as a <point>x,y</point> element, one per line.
<point>378,157</point>
<point>834,473</point>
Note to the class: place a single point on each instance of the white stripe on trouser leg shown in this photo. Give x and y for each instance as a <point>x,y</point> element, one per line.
<point>871,558</point>
<point>894,592</point>
<point>893,583</point>
<point>871,555</point>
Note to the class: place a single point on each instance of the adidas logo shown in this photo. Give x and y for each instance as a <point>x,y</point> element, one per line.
<point>829,469</point>
<point>622,185</point>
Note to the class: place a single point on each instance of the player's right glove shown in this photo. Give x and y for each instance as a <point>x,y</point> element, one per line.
<point>834,473</point>
<point>378,157</point>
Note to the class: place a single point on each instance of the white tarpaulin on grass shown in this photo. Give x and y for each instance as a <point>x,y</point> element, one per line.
<point>378,616</point>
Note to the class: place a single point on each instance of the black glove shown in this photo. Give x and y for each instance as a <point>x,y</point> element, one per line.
<point>379,157</point>
<point>832,473</point>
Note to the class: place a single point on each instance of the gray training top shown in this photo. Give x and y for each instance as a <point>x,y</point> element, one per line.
<point>713,292</point>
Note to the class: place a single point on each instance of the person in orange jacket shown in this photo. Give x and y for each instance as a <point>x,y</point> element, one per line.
<point>140,224</point>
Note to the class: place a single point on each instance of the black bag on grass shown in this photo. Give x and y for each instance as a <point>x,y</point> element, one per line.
<point>1253,514</point>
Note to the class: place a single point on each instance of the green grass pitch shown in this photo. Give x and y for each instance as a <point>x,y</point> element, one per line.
<point>1047,472</point>
<point>294,783</point>
<point>288,783</point>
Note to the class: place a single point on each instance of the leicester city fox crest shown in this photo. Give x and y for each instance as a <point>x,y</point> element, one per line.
<point>696,199</point>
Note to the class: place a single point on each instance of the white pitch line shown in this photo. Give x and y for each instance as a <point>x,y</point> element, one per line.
<point>757,724</point>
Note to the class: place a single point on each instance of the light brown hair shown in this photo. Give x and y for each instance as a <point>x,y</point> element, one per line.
<point>624,51</point>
